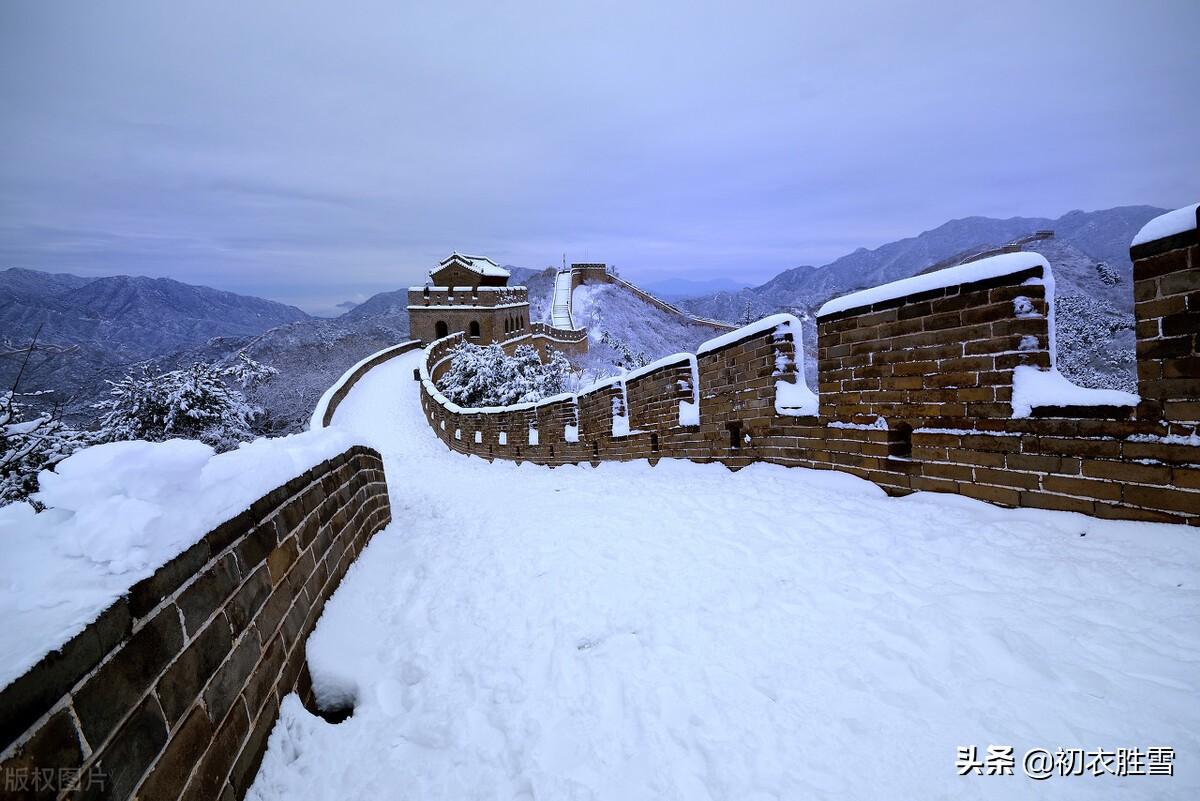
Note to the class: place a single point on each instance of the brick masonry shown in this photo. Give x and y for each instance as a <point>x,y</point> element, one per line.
<point>938,368</point>
<point>499,312</point>
<point>172,692</point>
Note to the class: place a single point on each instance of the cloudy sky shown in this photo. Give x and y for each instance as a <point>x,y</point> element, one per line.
<point>319,152</point>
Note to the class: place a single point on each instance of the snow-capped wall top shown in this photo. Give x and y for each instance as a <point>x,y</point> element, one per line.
<point>747,331</point>
<point>1169,224</point>
<point>465,288</point>
<point>480,264</point>
<point>993,267</point>
<point>116,513</point>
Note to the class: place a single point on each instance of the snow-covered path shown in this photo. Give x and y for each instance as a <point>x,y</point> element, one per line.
<point>683,632</point>
<point>560,308</point>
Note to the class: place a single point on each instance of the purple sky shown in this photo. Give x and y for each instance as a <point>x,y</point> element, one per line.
<point>319,152</point>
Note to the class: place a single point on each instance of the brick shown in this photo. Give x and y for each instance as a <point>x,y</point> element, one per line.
<point>116,687</point>
<point>55,746</point>
<point>1087,488</point>
<point>1128,472</point>
<point>183,681</point>
<point>32,694</point>
<point>132,749</point>
<point>149,592</point>
<point>179,758</point>
<point>210,774</point>
<point>281,559</point>
<point>208,592</point>
<point>231,677</point>
<point>1005,478</point>
<point>248,761</point>
<point>1063,503</point>
<point>245,603</point>
<point>254,549</point>
<point>1163,498</point>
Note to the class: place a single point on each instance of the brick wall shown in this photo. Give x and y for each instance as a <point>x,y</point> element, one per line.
<point>936,358</point>
<point>172,692</point>
<point>1166,275</point>
<point>937,369</point>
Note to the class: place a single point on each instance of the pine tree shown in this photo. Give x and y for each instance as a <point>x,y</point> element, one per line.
<point>747,313</point>
<point>248,373</point>
<point>486,376</point>
<point>192,403</point>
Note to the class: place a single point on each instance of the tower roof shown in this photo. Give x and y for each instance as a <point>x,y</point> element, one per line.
<point>479,264</point>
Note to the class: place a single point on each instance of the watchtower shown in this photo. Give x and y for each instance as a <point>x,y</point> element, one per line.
<point>468,294</point>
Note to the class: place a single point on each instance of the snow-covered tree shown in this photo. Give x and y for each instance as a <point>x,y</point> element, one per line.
<point>483,375</point>
<point>626,357</point>
<point>192,403</point>
<point>248,373</point>
<point>747,314</point>
<point>29,446</point>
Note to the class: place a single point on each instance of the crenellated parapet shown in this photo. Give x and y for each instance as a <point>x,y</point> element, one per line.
<point>943,382</point>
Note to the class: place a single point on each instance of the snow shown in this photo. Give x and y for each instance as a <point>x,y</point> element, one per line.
<point>682,631</point>
<point>560,309</point>
<point>480,264</point>
<point>570,433</point>
<point>117,512</point>
<point>795,400</point>
<point>992,267</point>
<point>1192,439</point>
<point>689,414</point>
<point>1169,224</point>
<point>747,331</point>
<point>1033,387</point>
<point>318,415</point>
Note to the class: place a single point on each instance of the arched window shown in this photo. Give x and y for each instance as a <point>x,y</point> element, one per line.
<point>439,329</point>
<point>426,293</point>
<point>473,330</point>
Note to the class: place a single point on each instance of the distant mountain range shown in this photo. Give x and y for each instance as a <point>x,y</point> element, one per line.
<point>98,328</point>
<point>101,326</point>
<point>1103,236</point>
<point>1096,309</point>
<point>678,288</point>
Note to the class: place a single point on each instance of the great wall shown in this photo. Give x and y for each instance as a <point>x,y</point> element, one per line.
<point>172,691</point>
<point>915,392</point>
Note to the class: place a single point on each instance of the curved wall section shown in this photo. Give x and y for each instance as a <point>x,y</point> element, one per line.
<point>172,691</point>
<point>924,390</point>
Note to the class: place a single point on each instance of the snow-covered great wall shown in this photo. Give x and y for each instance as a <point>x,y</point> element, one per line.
<point>945,382</point>
<point>212,580</point>
<point>182,675</point>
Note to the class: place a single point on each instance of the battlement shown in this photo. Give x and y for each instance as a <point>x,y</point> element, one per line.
<point>943,382</point>
<point>466,296</point>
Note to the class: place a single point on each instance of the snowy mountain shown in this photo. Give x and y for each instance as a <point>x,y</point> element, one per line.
<point>625,331</point>
<point>103,325</point>
<point>1096,348</point>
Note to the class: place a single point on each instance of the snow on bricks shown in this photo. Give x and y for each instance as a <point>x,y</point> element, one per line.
<point>922,385</point>
<point>172,691</point>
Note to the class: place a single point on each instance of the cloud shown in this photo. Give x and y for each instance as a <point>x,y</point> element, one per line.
<point>316,152</point>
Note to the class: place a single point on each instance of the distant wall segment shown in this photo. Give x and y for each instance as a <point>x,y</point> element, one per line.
<point>935,385</point>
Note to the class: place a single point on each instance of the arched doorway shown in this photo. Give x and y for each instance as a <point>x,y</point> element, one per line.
<point>439,329</point>
<point>473,330</point>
